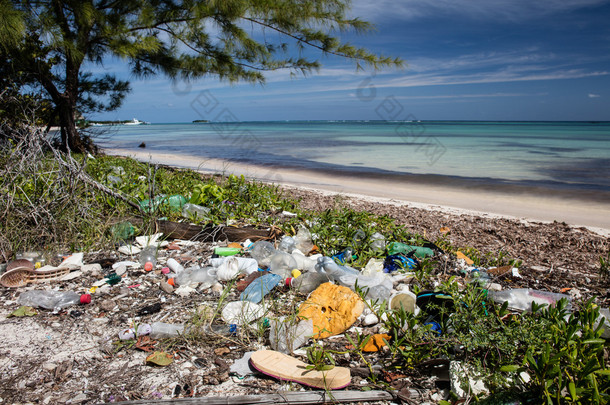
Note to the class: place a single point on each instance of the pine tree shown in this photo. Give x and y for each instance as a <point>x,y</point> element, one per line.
<point>234,40</point>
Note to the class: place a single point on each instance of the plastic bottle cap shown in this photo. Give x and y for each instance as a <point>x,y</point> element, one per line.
<point>85,299</point>
<point>296,273</point>
<point>165,270</point>
<point>171,282</point>
<point>288,281</point>
<point>148,266</point>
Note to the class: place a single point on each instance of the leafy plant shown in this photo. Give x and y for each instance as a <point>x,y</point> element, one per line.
<point>319,359</point>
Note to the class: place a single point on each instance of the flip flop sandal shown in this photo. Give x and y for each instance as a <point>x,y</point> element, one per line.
<point>287,368</point>
<point>22,276</point>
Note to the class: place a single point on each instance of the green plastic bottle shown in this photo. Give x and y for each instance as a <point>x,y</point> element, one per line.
<point>420,252</point>
<point>226,251</point>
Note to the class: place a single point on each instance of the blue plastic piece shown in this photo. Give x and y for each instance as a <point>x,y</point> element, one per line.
<point>260,287</point>
<point>396,262</point>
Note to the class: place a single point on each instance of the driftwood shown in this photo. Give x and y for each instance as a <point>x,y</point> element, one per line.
<point>295,398</point>
<point>180,230</point>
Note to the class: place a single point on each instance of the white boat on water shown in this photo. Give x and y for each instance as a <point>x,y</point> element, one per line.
<point>135,121</point>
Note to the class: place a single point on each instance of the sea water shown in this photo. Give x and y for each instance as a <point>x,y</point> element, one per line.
<point>568,156</point>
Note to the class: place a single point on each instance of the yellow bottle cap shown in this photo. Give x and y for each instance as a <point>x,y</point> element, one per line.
<point>296,273</point>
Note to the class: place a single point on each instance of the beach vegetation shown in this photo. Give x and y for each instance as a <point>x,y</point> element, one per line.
<point>54,44</point>
<point>604,266</point>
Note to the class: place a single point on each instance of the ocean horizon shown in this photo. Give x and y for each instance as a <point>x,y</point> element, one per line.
<point>562,158</point>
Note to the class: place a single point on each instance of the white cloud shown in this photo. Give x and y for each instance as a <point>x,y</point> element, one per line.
<point>591,95</point>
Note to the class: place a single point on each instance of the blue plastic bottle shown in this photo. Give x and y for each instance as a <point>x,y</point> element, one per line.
<point>260,287</point>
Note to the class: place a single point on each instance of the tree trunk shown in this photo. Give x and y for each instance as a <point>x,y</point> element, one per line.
<point>70,138</point>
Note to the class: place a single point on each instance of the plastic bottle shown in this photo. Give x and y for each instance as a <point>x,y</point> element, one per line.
<point>174,266</point>
<point>333,270</point>
<point>262,251</point>
<point>419,251</point>
<point>55,300</point>
<point>226,251</point>
<point>364,282</point>
<point>287,244</point>
<point>245,265</point>
<point>282,263</point>
<point>205,276</point>
<point>522,298</point>
<point>195,211</point>
<point>478,276</point>
<point>303,240</point>
<point>285,336</point>
<point>161,330</point>
<point>260,287</point>
<point>377,242</point>
<point>308,282</point>
<point>345,256</point>
<point>148,257</point>
<point>378,292</point>
<point>304,263</point>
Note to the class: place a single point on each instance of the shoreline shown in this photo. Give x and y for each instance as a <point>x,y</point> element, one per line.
<point>450,198</point>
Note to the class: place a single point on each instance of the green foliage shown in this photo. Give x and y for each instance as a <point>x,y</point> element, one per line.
<point>570,365</point>
<point>335,229</point>
<point>604,266</point>
<point>319,358</point>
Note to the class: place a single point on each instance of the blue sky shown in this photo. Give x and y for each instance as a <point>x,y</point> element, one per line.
<point>466,60</point>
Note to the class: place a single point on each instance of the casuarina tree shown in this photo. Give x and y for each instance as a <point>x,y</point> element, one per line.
<point>55,43</point>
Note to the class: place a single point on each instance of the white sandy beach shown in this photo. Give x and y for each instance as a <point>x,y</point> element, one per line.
<point>593,215</point>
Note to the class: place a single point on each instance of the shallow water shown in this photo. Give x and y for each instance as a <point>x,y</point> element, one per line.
<point>566,156</point>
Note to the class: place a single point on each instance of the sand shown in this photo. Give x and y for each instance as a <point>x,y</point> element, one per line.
<point>452,199</point>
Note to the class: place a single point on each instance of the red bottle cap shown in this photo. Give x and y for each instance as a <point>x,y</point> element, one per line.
<point>85,299</point>
<point>148,266</point>
<point>288,281</point>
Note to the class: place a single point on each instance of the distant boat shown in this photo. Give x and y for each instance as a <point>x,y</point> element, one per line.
<point>135,121</point>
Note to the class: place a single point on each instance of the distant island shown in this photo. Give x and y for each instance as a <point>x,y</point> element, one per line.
<point>200,121</point>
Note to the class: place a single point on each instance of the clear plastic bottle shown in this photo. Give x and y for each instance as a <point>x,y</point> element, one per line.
<point>174,266</point>
<point>262,251</point>
<point>205,276</point>
<point>55,300</point>
<point>148,257</point>
<point>308,282</point>
<point>162,330</point>
<point>303,262</point>
<point>303,240</point>
<point>522,298</point>
<point>377,242</point>
<point>478,276</point>
<point>282,263</point>
<point>333,270</point>
<point>287,244</point>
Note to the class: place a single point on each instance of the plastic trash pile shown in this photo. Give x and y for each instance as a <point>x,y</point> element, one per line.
<point>245,275</point>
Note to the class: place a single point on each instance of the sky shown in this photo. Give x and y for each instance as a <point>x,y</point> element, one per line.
<point>509,60</point>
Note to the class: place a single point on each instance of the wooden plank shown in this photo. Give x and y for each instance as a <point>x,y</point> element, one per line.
<point>293,398</point>
<point>179,230</point>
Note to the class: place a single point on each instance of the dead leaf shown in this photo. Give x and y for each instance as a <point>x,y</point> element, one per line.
<point>160,359</point>
<point>376,342</point>
<point>145,343</point>
<point>221,351</point>
<point>23,311</point>
<point>468,260</point>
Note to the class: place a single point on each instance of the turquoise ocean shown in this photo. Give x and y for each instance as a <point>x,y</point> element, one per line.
<point>563,158</point>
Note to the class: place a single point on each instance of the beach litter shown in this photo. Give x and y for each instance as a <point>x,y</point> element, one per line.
<point>251,290</point>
